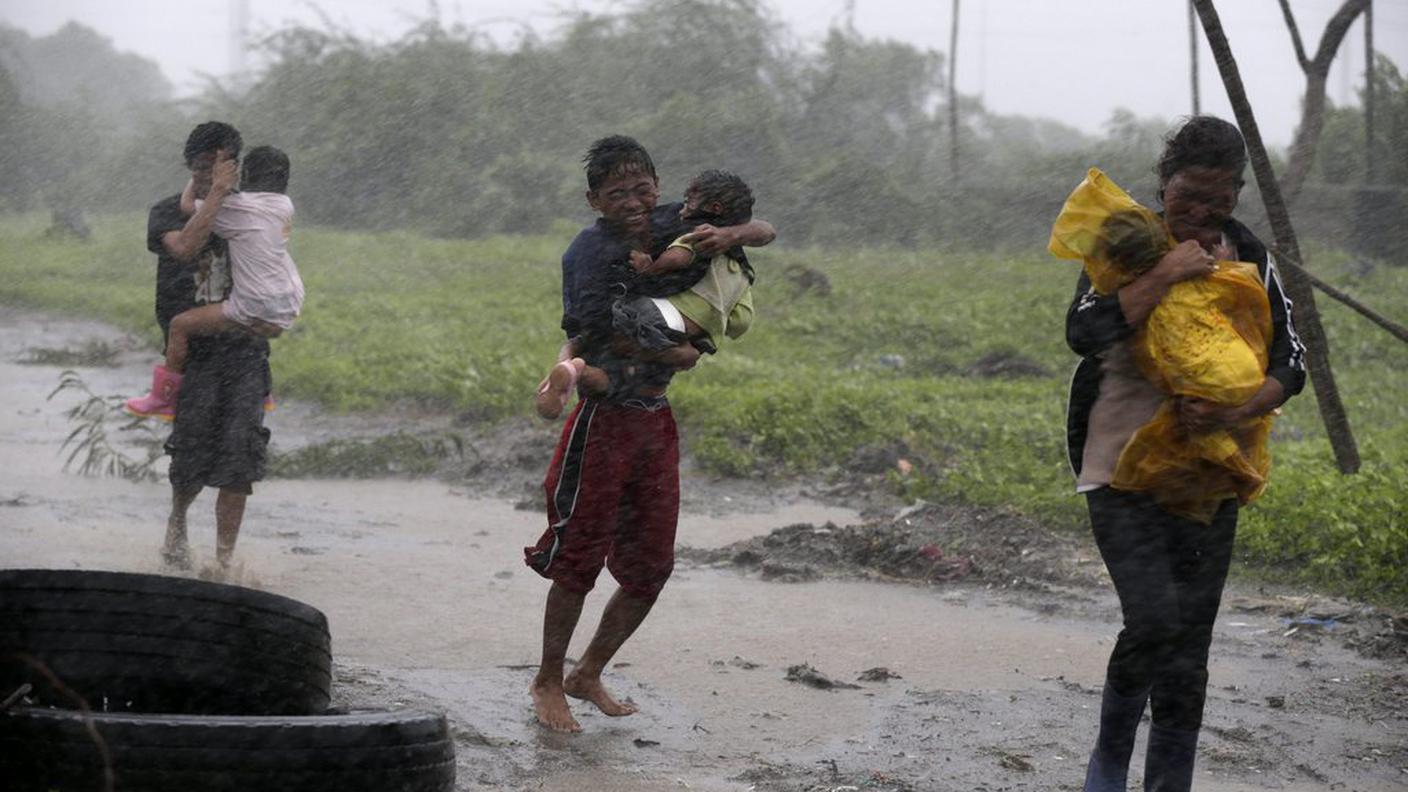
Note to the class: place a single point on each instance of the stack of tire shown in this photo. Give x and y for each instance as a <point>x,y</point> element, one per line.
<point>154,683</point>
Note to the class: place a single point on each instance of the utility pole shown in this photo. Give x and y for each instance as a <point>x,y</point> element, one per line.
<point>1369,93</point>
<point>1193,55</point>
<point>953,95</point>
<point>239,39</point>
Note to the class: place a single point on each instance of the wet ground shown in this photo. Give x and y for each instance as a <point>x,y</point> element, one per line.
<point>944,648</point>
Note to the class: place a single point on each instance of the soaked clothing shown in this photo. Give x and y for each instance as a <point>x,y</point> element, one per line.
<point>1095,323</point>
<point>595,273</point>
<point>218,438</point>
<point>182,285</point>
<point>613,498</point>
<point>1168,573</point>
<point>266,285</point>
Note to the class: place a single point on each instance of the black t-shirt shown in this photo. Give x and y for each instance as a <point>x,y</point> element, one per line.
<point>182,285</point>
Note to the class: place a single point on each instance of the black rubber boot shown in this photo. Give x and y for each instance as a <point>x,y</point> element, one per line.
<point>1119,720</point>
<point>1168,766</point>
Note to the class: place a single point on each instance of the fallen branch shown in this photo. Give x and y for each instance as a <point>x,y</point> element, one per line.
<point>1395,329</point>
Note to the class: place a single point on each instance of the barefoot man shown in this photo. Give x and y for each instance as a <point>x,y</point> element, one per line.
<point>613,484</point>
<point>218,439</point>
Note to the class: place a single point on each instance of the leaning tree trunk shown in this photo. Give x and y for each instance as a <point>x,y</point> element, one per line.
<point>1317,72</point>
<point>1306,317</point>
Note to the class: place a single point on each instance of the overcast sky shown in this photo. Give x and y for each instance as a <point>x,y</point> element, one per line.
<point>1073,61</point>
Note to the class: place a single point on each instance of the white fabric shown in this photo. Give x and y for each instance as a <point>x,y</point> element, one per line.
<point>673,318</point>
<point>266,283</point>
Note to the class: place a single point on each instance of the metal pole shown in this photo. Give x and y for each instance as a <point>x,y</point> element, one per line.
<point>1369,92</point>
<point>1193,54</point>
<point>953,93</point>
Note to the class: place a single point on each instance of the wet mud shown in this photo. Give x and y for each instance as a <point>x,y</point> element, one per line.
<point>805,643</point>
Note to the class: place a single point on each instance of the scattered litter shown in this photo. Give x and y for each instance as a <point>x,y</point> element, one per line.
<point>877,674</point>
<point>811,677</point>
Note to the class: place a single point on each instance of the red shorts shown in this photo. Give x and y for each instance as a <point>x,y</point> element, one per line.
<point>613,492</point>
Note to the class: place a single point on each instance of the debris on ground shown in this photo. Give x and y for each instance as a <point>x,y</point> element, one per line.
<point>925,542</point>
<point>811,677</point>
<point>877,674</point>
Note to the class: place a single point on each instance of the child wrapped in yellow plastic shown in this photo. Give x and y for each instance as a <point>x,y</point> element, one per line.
<point>1207,339</point>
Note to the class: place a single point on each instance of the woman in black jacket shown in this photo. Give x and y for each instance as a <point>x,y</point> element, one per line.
<point>1168,571</point>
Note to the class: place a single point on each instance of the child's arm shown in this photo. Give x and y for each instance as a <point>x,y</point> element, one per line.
<point>677,256</point>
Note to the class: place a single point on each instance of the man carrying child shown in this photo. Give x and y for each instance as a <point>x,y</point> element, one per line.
<point>613,484</point>
<point>218,438</point>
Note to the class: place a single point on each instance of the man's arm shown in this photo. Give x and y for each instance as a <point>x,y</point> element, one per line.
<point>185,244</point>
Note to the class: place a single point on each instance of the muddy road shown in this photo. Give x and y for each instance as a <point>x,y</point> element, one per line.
<point>965,660</point>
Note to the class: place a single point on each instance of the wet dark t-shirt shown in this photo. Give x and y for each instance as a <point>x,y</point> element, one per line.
<point>177,281</point>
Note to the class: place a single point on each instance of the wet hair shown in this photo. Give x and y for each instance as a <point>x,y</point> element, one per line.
<point>265,169</point>
<point>729,191</point>
<point>1133,241</point>
<point>212,135</point>
<point>1205,141</point>
<point>613,156</point>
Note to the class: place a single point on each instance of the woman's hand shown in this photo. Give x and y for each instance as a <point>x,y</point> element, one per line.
<point>640,261</point>
<point>1186,261</point>
<point>1200,415</point>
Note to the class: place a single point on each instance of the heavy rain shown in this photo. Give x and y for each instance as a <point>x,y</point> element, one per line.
<point>728,395</point>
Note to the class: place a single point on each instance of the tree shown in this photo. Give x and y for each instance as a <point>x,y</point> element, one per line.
<point>1317,71</point>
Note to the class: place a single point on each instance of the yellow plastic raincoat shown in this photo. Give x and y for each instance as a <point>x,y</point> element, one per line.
<point>1207,338</point>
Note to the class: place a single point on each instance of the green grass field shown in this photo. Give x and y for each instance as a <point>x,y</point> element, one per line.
<point>470,326</point>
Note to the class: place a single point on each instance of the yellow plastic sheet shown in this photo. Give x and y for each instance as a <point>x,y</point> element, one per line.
<point>1207,338</point>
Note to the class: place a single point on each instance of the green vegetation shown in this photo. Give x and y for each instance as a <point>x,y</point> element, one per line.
<point>886,360</point>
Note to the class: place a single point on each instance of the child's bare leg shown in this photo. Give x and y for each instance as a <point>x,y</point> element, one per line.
<point>594,381</point>
<point>205,320</point>
<point>556,388</point>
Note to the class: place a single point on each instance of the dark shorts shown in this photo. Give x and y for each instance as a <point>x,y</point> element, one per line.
<point>218,438</point>
<point>613,492</point>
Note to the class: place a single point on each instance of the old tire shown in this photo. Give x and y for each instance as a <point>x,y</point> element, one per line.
<point>150,643</point>
<point>43,750</point>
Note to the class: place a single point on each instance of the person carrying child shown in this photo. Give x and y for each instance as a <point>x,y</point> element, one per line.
<point>218,438</point>
<point>1216,364</point>
<point>612,487</point>
<point>266,294</point>
<point>677,298</point>
<point>1207,339</point>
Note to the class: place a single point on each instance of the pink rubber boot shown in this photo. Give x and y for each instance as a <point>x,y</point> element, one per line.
<point>161,402</point>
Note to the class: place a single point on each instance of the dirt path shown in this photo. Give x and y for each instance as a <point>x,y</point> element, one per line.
<point>430,605</point>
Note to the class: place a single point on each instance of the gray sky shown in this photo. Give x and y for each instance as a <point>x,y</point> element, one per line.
<point>1072,61</point>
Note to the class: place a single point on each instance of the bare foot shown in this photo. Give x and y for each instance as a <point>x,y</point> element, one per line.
<point>176,556</point>
<point>591,689</point>
<point>555,391</point>
<point>550,705</point>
